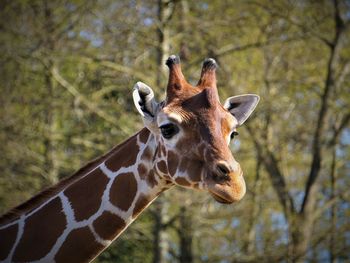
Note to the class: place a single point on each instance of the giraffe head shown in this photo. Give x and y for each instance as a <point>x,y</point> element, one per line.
<point>193,131</point>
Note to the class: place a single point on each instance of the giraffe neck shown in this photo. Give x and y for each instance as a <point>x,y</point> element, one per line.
<point>84,214</point>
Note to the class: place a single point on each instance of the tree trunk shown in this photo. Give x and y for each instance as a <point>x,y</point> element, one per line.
<point>51,165</point>
<point>165,10</point>
<point>160,242</point>
<point>186,235</point>
<point>333,218</point>
<point>51,162</point>
<point>302,230</point>
<point>249,245</point>
<point>301,226</point>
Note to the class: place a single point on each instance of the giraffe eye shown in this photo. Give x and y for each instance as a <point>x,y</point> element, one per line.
<point>168,130</point>
<point>234,134</point>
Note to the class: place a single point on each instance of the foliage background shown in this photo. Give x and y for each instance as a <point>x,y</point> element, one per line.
<point>67,69</point>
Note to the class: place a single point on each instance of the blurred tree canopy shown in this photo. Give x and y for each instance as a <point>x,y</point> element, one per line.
<point>67,69</point>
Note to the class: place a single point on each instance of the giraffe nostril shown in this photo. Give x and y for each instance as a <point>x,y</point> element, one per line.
<point>222,171</point>
<point>223,168</point>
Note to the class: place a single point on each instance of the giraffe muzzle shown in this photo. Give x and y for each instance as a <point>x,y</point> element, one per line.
<point>226,185</point>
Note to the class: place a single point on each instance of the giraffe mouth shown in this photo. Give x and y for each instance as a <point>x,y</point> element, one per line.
<point>227,192</point>
<point>220,199</point>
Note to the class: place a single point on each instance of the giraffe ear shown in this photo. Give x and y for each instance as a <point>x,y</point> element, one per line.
<point>241,106</point>
<point>144,101</point>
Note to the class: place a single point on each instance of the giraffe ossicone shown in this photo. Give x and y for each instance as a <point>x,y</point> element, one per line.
<point>185,142</point>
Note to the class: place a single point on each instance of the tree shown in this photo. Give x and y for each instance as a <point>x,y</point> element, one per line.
<point>67,69</point>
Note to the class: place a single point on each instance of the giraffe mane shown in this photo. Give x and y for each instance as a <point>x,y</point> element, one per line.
<point>45,194</point>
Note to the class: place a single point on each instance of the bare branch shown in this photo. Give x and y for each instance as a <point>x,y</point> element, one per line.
<point>337,130</point>
<point>72,90</point>
<point>277,178</point>
<point>120,68</point>
<point>319,131</point>
<point>306,30</point>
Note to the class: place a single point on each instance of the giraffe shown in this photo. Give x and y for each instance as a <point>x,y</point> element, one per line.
<point>185,142</point>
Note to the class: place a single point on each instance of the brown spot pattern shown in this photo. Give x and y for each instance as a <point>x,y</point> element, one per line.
<point>142,169</point>
<point>182,143</point>
<point>182,181</point>
<point>7,239</point>
<point>39,230</point>
<point>108,225</point>
<point>162,167</point>
<point>151,180</point>
<point>125,157</point>
<point>159,152</point>
<point>146,155</point>
<point>85,195</point>
<point>123,190</point>
<point>194,171</point>
<point>79,246</point>
<point>173,162</point>
<point>163,150</point>
<point>141,203</point>
<point>143,135</point>
<point>184,165</point>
